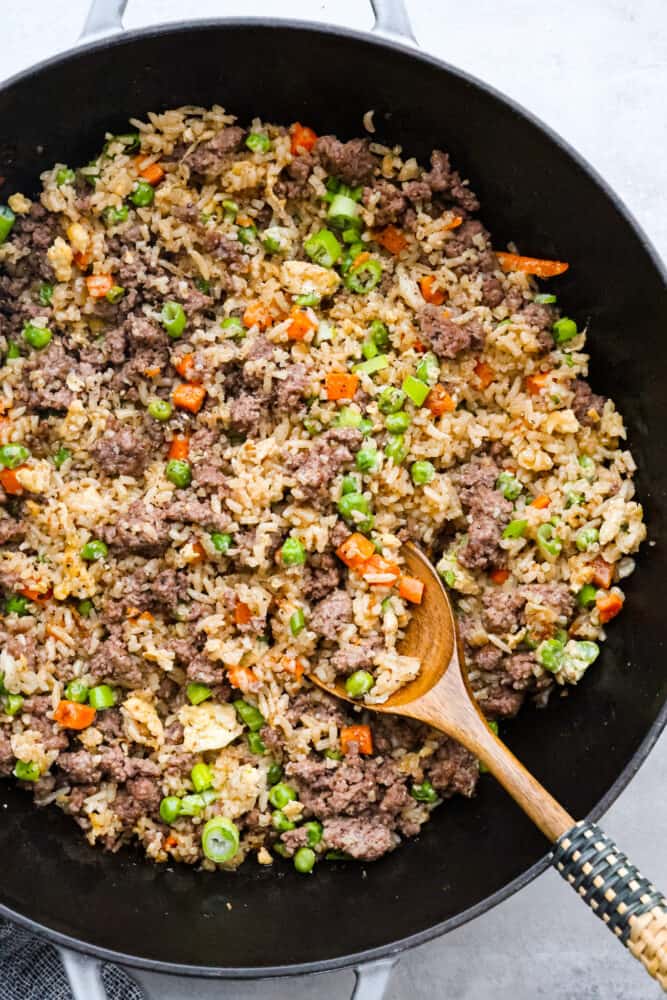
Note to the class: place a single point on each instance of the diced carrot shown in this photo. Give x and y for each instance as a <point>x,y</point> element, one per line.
<point>341,385</point>
<point>9,481</point>
<point>419,347</point>
<point>189,396</point>
<point>152,372</point>
<point>454,223</point>
<point>361,735</point>
<point>242,613</point>
<point>200,552</point>
<point>608,606</point>
<point>257,314</point>
<point>603,573</point>
<point>531,265</point>
<point>171,841</point>
<point>355,550</point>
<point>499,576</point>
<point>435,296</point>
<point>361,258</point>
<point>152,172</point>
<point>535,383</point>
<point>379,572</point>
<point>73,715</point>
<point>439,401</point>
<point>392,239</point>
<point>38,596</point>
<point>179,447</point>
<point>303,138</point>
<point>244,220</point>
<point>293,666</point>
<point>484,373</point>
<point>185,366</point>
<point>146,616</point>
<point>411,589</point>
<point>82,259</point>
<point>540,502</point>
<point>242,678</point>
<point>301,324</point>
<point>98,285</point>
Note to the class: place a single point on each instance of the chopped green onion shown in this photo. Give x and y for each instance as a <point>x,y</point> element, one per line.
<point>257,142</point>
<point>515,529</point>
<point>220,839</point>
<point>115,294</point>
<point>102,697</point>
<point>424,792</point>
<point>247,234</point>
<point>372,366</point>
<point>587,466</point>
<point>13,703</point>
<point>234,324</point>
<point>548,541</point>
<point>256,744</point>
<point>564,329</point>
<point>369,349</point>
<point>586,538</point>
<point>415,389</point>
<point>308,300</point>
<point>333,754</point>
<point>362,278</point>
<point>65,176</point>
<point>574,500</point>
<point>45,294</point>
<point>323,248</point>
<point>12,455</point>
<point>249,715</point>
<point>396,449</point>
<point>77,691</point>
<point>197,693</point>
<point>428,369</point>
<point>61,456</point>
<point>545,299</point>
<point>7,220</point>
<point>293,552</point>
<point>201,777</point>
<point>26,770</point>
<point>173,319</point>
<point>344,212</point>
<point>297,622</point>
<point>16,604</point>
<point>13,351</point>
<point>113,215</point>
<point>586,596</point>
<point>203,285</point>
<point>380,334</point>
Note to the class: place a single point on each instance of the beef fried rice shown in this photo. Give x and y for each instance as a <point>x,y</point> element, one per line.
<point>241,367</point>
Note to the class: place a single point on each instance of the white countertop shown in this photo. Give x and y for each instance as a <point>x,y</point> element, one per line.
<point>596,70</point>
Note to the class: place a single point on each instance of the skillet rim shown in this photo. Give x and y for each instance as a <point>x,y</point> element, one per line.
<point>394,948</point>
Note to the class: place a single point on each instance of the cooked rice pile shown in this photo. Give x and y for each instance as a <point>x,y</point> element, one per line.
<point>170,529</point>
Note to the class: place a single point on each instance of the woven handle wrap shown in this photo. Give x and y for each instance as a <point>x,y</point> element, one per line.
<point>617,893</point>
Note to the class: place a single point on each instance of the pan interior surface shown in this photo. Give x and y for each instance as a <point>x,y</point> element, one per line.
<point>532,191</point>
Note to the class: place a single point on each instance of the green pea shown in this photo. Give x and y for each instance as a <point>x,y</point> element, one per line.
<point>12,455</point>
<point>220,839</point>
<point>114,215</point>
<point>142,194</point>
<point>178,472</point>
<point>274,774</point>
<point>509,486</point>
<point>256,744</point>
<point>85,607</point>
<point>61,456</point>
<point>422,473</point>
<point>515,529</point>
<point>230,209</point>
<point>548,541</point>
<point>45,294</point>
<point>574,500</point>
<point>297,622</point>
<point>170,809</point>
<point>160,409</point>
<point>587,466</point>
<point>272,245</point>
<point>564,329</point>
<point>26,770</point>
<point>13,349</point>
<point>366,459</point>
<point>201,777</point>
<point>102,697</point>
<point>391,399</point>
<point>586,596</point>
<point>350,484</point>
<point>77,691</point>
<point>348,417</point>
<point>397,423</point>
<point>38,337</point>
<point>13,703</point>
<point>359,683</point>
<point>280,822</point>
<point>333,754</point>
<point>7,220</point>
<point>355,509</point>
<point>586,538</point>
<point>396,450</point>
<point>16,604</point>
<point>583,653</point>
<point>221,542</point>
<point>313,832</point>
<point>94,550</point>
<point>173,319</point>
<point>281,794</point>
<point>293,552</point>
<point>428,369</point>
<point>379,332</point>
<point>234,324</point>
<point>550,654</point>
<point>65,176</point>
<point>424,792</point>
<point>258,143</point>
<point>249,715</point>
<point>304,860</point>
<point>197,693</point>
<point>247,234</point>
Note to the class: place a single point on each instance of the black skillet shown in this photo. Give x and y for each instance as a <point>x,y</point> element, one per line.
<point>584,748</point>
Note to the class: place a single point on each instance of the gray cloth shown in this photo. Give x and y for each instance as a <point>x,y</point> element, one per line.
<point>30,969</point>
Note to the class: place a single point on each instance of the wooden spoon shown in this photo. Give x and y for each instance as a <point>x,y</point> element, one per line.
<point>584,855</point>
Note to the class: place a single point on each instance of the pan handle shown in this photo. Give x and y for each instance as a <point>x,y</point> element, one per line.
<point>105,17</point>
<point>84,974</point>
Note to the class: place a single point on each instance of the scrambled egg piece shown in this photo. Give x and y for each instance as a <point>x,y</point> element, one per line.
<point>299,278</point>
<point>208,726</point>
<point>141,722</point>
<point>60,258</point>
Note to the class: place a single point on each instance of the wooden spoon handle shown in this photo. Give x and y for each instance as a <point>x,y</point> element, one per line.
<point>617,893</point>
